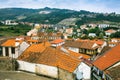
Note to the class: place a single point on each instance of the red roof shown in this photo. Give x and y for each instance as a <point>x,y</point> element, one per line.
<point>99,42</point>
<point>47,55</point>
<point>110,31</point>
<point>30,40</point>
<point>11,43</point>
<point>81,44</point>
<point>57,41</point>
<point>109,58</point>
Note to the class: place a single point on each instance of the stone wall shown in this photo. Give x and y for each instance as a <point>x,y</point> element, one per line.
<point>65,75</point>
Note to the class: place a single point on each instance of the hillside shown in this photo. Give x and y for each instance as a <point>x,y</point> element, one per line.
<point>54,15</point>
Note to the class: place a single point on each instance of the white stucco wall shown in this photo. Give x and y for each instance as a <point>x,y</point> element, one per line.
<point>59,44</point>
<point>107,33</point>
<point>16,52</point>
<point>26,66</point>
<point>23,47</point>
<point>47,70</point>
<point>33,31</point>
<point>3,51</point>
<point>38,68</point>
<point>104,44</point>
<point>85,70</point>
<point>74,49</point>
<point>94,45</point>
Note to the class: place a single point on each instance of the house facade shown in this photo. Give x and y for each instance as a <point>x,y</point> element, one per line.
<point>85,47</point>
<point>13,48</point>
<point>114,42</point>
<point>83,72</point>
<point>109,32</point>
<point>87,71</point>
<point>57,42</point>
<point>49,36</point>
<point>108,60</point>
<point>92,35</point>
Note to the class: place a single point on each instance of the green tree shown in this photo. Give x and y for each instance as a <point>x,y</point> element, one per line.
<point>1,24</point>
<point>115,35</point>
<point>101,35</point>
<point>95,30</point>
<point>84,37</point>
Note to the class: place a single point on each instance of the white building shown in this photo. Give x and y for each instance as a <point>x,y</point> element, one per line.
<point>110,31</point>
<point>103,25</point>
<point>92,35</point>
<point>32,32</point>
<point>57,42</point>
<point>83,71</point>
<point>10,22</point>
<point>52,62</point>
<point>13,48</point>
<point>86,47</point>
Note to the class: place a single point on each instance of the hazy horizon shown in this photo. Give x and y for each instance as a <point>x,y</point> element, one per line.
<point>104,6</point>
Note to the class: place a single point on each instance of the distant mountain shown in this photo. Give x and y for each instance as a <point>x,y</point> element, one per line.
<point>54,15</point>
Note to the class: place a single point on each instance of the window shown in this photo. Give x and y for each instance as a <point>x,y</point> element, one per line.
<point>7,51</point>
<point>13,50</point>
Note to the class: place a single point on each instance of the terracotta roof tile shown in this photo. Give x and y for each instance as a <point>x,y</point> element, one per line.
<point>80,44</point>
<point>78,55</point>
<point>57,41</point>
<point>108,59</point>
<point>110,31</point>
<point>11,43</point>
<point>99,42</point>
<point>38,47</point>
<point>30,40</point>
<point>52,57</point>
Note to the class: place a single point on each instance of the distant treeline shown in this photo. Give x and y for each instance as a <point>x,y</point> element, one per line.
<point>55,15</point>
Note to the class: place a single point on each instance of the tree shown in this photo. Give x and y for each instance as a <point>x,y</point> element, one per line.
<point>101,35</point>
<point>115,35</point>
<point>1,23</point>
<point>95,30</point>
<point>84,31</point>
<point>84,37</point>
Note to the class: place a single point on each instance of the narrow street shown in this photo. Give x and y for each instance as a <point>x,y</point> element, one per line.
<point>18,75</point>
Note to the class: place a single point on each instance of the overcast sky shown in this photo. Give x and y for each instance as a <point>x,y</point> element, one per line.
<point>89,5</point>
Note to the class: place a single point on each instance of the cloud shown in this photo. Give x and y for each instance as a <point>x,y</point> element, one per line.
<point>90,5</point>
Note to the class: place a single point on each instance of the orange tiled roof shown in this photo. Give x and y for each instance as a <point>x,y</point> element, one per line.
<point>52,57</point>
<point>116,38</point>
<point>99,42</point>
<point>57,41</point>
<point>33,40</point>
<point>49,34</point>
<point>38,47</point>
<point>27,37</point>
<point>78,55</point>
<point>110,31</point>
<point>10,43</point>
<point>80,44</point>
<point>41,34</point>
<point>108,59</point>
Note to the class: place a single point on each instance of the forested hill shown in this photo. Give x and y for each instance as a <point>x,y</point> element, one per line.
<point>54,15</point>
